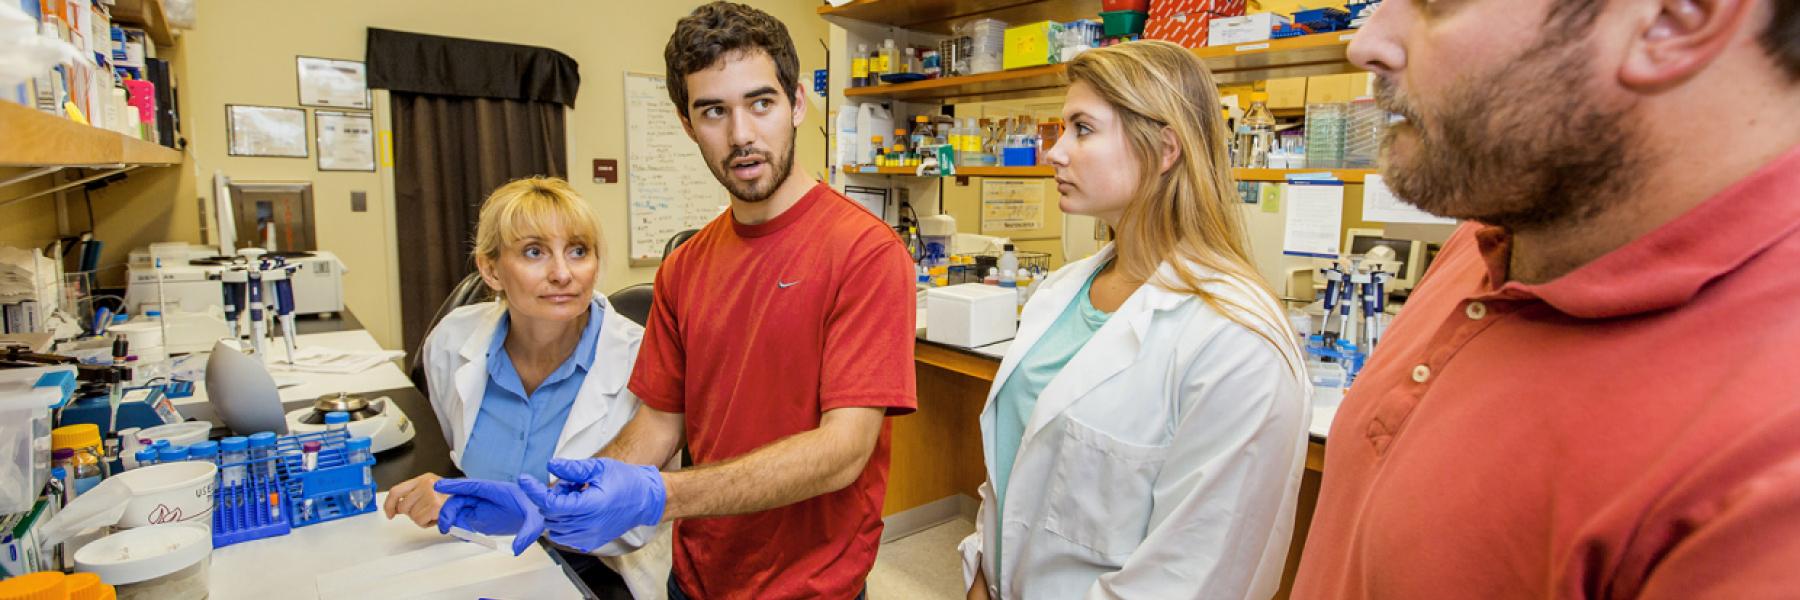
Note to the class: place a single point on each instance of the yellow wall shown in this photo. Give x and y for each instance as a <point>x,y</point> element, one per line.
<point>244,53</point>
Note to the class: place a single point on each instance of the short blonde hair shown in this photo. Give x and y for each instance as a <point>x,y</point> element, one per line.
<point>535,206</point>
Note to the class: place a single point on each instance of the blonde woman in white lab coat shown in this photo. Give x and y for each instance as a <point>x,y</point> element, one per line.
<point>538,373</point>
<point>1146,433</point>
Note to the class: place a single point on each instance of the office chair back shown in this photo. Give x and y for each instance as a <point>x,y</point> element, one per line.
<point>633,301</point>
<point>470,290</point>
<point>677,241</point>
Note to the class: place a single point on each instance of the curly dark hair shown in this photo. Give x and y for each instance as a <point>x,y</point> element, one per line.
<point>717,29</point>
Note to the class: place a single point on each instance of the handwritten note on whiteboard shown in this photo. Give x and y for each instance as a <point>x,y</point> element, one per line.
<point>669,188</point>
<point>1315,211</point>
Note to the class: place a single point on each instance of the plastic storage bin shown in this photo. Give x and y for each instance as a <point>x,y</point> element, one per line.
<point>24,444</point>
<point>1123,22</point>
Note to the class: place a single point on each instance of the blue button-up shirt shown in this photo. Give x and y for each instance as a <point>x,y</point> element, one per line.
<point>516,433</point>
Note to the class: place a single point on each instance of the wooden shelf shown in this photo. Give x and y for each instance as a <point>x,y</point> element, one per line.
<point>1269,175</point>
<point>1022,172</point>
<point>1281,175</point>
<point>147,14</point>
<point>937,16</point>
<point>1306,56</point>
<point>998,85</point>
<point>39,139</point>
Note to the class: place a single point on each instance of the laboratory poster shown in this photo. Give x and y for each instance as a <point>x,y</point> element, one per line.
<point>1009,205</point>
<point>346,141</point>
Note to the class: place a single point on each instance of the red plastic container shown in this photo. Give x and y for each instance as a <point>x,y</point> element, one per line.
<point>1131,5</point>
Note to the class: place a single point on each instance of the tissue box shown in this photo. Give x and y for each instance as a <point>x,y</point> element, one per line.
<point>1031,45</point>
<point>1244,29</point>
<point>971,314</point>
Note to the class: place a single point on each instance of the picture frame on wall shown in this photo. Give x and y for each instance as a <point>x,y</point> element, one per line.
<point>265,131</point>
<point>332,83</point>
<point>346,140</point>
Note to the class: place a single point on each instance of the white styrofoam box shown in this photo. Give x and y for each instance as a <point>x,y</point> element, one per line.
<point>1244,29</point>
<point>971,314</point>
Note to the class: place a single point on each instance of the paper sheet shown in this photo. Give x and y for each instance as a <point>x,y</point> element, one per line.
<point>1382,206</point>
<point>1011,205</point>
<point>346,141</point>
<point>1315,213</point>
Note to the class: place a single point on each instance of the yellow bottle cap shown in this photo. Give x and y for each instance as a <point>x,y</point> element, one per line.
<point>75,436</point>
<point>1259,96</point>
<point>921,119</point>
<point>42,585</point>
<point>87,586</point>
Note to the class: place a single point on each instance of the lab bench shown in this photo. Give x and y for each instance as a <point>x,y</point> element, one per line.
<point>288,566</point>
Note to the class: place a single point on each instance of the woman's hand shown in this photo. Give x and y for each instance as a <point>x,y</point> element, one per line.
<point>415,499</point>
<point>979,591</point>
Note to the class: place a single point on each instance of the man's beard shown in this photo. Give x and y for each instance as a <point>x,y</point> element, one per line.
<point>1521,148</point>
<point>756,191</point>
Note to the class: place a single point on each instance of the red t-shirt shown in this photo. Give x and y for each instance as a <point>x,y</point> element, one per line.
<point>1628,430</point>
<point>755,332</point>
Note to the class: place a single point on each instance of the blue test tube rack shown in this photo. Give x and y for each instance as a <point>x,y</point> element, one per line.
<point>241,512</point>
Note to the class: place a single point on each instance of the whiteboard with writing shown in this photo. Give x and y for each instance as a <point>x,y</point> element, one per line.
<point>669,189</point>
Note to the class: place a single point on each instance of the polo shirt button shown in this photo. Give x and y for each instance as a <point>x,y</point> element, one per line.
<point>1475,310</point>
<point>1421,373</point>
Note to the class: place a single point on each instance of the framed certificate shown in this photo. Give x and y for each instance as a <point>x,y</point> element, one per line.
<point>265,131</point>
<point>346,140</point>
<point>329,83</point>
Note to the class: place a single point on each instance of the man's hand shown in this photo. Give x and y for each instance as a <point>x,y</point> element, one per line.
<point>491,508</point>
<point>415,499</point>
<point>596,500</point>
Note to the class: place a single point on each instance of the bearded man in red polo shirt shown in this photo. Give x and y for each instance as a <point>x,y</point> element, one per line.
<point>1594,392</point>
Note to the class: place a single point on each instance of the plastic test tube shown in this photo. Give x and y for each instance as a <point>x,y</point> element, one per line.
<point>204,451</point>
<point>309,455</point>
<point>146,457</point>
<point>172,454</point>
<point>262,450</point>
<point>233,451</point>
<point>337,421</point>
<point>358,450</point>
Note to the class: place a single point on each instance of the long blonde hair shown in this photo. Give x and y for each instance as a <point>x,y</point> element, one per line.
<point>1188,215</point>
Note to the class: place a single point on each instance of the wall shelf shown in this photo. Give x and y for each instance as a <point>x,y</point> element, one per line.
<point>1305,56</point>
<point>36,139</point>
<point>147,14</point>
<point>1265,175</point>
<point>1281,175</point>
<point>937,16</point>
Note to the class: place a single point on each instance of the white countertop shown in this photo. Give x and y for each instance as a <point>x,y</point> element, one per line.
<point>368,556</point>
<point>309,386</point>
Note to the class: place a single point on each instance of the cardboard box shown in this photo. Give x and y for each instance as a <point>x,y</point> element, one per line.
<point>1326,89</point>
<point>1287,93</point>
<point>1244,29</point>
<point>1030,45</point>
<point>1216,8</point>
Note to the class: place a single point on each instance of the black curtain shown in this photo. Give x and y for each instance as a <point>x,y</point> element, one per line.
<point>469,116</point>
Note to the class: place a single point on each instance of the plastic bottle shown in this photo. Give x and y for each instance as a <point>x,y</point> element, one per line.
<point>262,455</point>
<point>1256,133</point>
<point>912,243</point>
<point>358,451</point>
<point>1009,274</point>
<point>233,453</point>
<point>877,156</point>
<point>84,457</point>
<point>890,57</point>
<point>859,66</point>
<point>846,136</point>
<point>993,276</point>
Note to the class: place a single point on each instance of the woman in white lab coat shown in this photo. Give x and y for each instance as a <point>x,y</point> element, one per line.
<point>1146,432</point>
<point>539,372</point>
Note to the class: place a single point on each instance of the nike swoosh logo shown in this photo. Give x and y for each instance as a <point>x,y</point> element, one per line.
<point>784,286</point>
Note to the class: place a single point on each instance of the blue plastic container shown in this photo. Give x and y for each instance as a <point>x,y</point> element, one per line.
<point>1018,156</point>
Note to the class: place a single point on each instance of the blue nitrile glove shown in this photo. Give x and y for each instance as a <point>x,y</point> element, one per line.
<point>490,508</point>
<point>616,497</point>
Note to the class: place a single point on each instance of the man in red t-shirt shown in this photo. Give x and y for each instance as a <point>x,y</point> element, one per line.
<point>779,340</point>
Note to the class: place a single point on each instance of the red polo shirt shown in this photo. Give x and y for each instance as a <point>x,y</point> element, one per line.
<point>1629,430</point>
<point>755,332</point>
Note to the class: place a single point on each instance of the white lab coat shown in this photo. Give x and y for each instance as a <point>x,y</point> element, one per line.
<point>456,371</point>
<point>1164,461</point>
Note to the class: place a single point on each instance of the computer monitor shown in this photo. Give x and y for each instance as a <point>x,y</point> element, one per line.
<point>1410,254</point>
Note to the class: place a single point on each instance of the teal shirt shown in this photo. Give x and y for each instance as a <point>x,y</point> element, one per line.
<point>1045,359</point>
